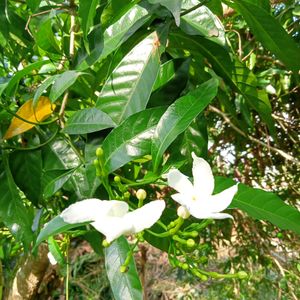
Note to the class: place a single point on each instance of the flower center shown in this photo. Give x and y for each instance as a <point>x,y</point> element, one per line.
<point>194,198</point>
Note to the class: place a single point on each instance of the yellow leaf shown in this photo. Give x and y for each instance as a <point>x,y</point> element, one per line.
<point>27,112</point>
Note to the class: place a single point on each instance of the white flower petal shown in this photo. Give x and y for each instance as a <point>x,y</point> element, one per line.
<point>222,200</point>
<point>145,216</point>
<point>181,198</point>
<point>221,216</point>
<point>178,181</point>
<point>112,227</point>
<point>203,177</point>
<point>92,209</point>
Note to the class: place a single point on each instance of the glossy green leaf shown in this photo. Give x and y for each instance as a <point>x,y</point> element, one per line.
<point>14,82</point>
<point>202,22</point>
<point>262,205</point>
<point>115,35</point>
<point>174,6</point>
<point>53,227</point>
<point>165,74</point>
<point>62,83</point>
<point>59,155</point>
<point>128,89</point>
<point>45,38</point>
<point>88,120</point>
<point>234,72</point>
<point>28,164</point>
<point>41,89</point>
<point>178,117</point>
<point>55,184</point>
<point>132,139</point>
<point>87,12</point>
<point>13,212</point>
<point>270,33</point>
<point>125,285</point>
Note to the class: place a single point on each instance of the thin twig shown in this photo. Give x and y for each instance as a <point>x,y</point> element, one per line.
<point>192,9</point>
<point>253,139</point>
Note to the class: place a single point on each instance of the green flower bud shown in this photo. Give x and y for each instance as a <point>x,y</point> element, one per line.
<point>183,212</point>
<point>96,163</point>
<point>190,243</point>
<point>126,195</point>
<point>99,152</point>
<point>123,269</point>
<point>117,179</point>
<point>242,275</point>
<point>141,194</point>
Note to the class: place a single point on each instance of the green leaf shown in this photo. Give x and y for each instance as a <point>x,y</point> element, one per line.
<point>54,185</point>
<point>128,89</point>
<point>130,140</point>
<point>87,12</point>
<point>14,82</point>
<point>178,117</point>
<point>270,33</point>
<point>124,285</point>
<point>55,251</point>
<point>59,155</point>
<point>174,6</point>
<point>33,4</point>
<point>115,35</point>
<point>88,120</point>
<point>28,164</point>
<point>202,22</point>
<point>13,212</point>
<point>43,86</point>
<point>62,83</point>
<point>234,72</point>
<point>262,205</point>
<point>45,38</point>
<point>55,226</point>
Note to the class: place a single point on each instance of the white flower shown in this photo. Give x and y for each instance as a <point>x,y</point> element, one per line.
<point>197,198</point>
<point>112,218</point>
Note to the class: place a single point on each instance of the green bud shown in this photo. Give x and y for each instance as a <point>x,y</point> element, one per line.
<point>279,235</point>
<point>242,275</point>
<point>105,243</point>
<point>141,194</point>
<point>190,243</point>
<point>99,152</point>
<point>194,234</point>
<point>117,179</point>
<point>96,163</point>
<point>123,269</point>
<point>126,195</point>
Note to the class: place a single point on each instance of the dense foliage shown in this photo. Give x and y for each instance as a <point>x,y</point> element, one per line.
<point>148,83</point>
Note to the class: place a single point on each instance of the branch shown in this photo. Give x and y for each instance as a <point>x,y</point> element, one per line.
<point>253,139</point>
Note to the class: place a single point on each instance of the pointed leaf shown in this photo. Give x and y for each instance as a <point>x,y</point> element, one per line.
<point>270,33</point>
<point>62,83</point>
<point>27,112</point>
<point>54,185</point>
<point>88,120</point>
<point>115,35</point>
<point>128,89</point>
<point>13,212</point>
<point>132,139</point>
<point>125,285</point>
<point>43,86</point>
<point>202,22</point>
<point>174,6</point>
<point>14,82</point>
<point>262,205</point>
<point>28,164</point>
<point>178,117</point>
<point>55,226</point>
